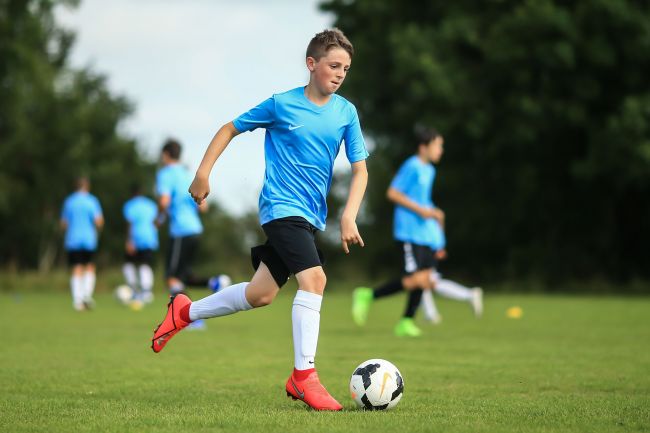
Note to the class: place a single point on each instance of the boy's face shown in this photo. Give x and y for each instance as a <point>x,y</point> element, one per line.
<point>434,149</point>
<point>328,73</point>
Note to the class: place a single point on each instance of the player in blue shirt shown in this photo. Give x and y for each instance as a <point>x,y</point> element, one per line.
<point>140,213</point>
<point>185,228</point>
<point>413,229</point>
<point>305,128</point>
<point>81,217</point>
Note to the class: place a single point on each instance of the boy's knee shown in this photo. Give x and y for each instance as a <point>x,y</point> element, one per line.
<point>314,282</point>
<point>262,300</point>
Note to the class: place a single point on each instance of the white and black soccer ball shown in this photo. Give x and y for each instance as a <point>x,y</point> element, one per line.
<point>376,384</point>
<point>123,293</point>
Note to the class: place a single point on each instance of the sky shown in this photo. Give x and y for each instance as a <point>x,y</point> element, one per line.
<point>190,66</point>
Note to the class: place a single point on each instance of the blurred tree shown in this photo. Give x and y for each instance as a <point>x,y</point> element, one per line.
<point>545,107</point>
<point>56,123</point>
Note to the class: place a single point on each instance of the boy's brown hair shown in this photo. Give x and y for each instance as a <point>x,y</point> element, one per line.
<point>172,148</point>
<point>325,41</point>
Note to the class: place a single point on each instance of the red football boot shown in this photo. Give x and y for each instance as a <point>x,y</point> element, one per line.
<point>172,323</point>
<point>311,392</point>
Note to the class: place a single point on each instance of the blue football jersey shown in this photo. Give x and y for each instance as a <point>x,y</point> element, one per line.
<point>301,143</point>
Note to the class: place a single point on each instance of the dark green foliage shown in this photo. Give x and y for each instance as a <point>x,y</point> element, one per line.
<point>56,124</point>
<point>545,108</point>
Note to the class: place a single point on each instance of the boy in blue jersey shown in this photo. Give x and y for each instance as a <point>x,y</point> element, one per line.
<point>140,212</point>
<point>305,128</point>
<point>81,217</point>
<point>413,229</point>
<point>185,228</point>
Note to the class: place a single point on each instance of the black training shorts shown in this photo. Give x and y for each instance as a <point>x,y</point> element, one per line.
<point>290,248</point>
<point>180,256</point>
<point>416,257</point>
<point>80,257</point>
<point>140,257</point>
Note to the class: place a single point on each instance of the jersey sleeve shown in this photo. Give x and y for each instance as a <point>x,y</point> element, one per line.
<point>355,146</point>
<point>261,116</point>
<point>125,211</point>
<point>163,183</point>
<point>97,208</point>
<point>404,178</point>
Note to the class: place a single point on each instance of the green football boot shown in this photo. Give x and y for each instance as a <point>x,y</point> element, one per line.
<point>361,299</point>
<point>406,328</point>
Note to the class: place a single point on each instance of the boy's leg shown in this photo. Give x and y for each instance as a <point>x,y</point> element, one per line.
<point>130,273</point>
<point>362,298</point>
<point>146,282</point>
<point>76,287</point>
<point>429,308</point>
<point>415,282</point>
<point>182,311</point>
<point>304,384</point>
<point>89,285</point>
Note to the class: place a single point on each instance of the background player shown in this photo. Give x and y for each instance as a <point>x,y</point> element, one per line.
<point>411,191</point>
<point>81,218</point>
<point>140,212</point>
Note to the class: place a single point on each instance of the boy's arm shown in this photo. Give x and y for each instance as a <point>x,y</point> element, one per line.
<point>349,231</point>
<point>129,246</point>
<point>99,222</point>
<point>200,187</point>
<point>401,199</point>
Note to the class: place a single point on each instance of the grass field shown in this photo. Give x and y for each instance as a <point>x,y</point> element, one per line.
<point>570,364</point>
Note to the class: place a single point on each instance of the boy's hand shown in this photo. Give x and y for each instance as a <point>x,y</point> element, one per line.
<point>199,189</point>
<point>130,247</point>
<point>349,233</point>
<point>441,254</point>
<point>433,213</point>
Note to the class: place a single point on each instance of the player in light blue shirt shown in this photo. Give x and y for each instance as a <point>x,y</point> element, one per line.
<point>185,228</point>
<point>413,229</point>
<point>81,218</point>
<point>305,129</point>
<point>140,212</point>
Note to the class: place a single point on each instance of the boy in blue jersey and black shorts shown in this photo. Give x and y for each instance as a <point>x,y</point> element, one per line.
<point>413,229</point>
<point>81,217</point>
<point>140,213</point>
<point>305,128</point>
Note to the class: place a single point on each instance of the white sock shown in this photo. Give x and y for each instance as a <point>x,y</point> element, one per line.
<point>130,276</point>
<point>226,301</point>
<point>146,277</point>
<point>77,289</point>
<point>429,306</point>
<point>305,317</point>
<point>452,290</point>
<point>89,284</point>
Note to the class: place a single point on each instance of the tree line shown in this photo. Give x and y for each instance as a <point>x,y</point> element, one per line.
<point>544,106</point>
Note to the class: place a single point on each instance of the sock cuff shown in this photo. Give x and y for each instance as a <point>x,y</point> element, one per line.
<point>243,301</point>
<point>308,300</point>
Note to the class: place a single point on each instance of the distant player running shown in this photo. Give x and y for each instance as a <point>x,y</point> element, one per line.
<point>415,214</point>
<point>305,128</point>
<point>140,212</point>
<point>81,217</point>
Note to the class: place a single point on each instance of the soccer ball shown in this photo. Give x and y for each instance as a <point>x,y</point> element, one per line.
<point>123,294</point>
<point>376,384</point>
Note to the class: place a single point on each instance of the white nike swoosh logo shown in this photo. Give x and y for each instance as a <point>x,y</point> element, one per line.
<point>291,127</point>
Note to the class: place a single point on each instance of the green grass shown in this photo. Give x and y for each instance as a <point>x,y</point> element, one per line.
<point>570,364</point>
